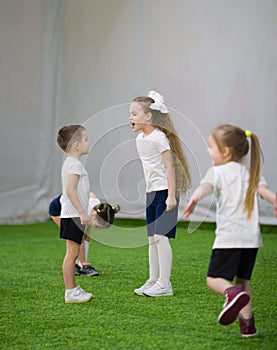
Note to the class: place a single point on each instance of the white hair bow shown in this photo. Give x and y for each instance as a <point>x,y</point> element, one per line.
<point>158,102</point>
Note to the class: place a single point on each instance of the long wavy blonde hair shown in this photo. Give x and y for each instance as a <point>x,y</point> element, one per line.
<point>235,139</point>
<point>163,122</point>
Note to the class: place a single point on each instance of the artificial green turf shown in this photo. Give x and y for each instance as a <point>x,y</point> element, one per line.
<point>34,315</point>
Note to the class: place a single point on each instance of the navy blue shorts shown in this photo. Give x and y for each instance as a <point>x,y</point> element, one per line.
<point>55,207</point>
<point>233,262</point>
<point>72,229</point>
<point>159,221</point>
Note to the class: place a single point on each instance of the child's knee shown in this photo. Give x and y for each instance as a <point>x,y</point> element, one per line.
<point>209,281</point>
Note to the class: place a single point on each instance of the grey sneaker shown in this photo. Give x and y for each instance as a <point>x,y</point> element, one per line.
<point>77,295</point>
<point>148,284</point>
<point>159,289</point>
<point>88,270</point>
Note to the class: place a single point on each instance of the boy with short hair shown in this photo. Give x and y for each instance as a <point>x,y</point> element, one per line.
<point>73,140</point>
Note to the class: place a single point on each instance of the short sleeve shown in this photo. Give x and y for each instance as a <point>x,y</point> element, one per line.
<point>76,168</point>
<point>262,181</point>
<point>209,177</point>
<point>162,143</point>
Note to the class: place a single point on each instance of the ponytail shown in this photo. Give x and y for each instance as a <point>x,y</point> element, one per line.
<point>254,174</point>
<point>237,140</point>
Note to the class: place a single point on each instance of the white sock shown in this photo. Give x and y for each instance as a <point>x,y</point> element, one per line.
<point>153,259</point>
<point>164,256</point>
<point>78,262</point>
<point>86,249</point>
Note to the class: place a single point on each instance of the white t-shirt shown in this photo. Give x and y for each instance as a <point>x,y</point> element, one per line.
<point>92,203</point>
<point>233,229</point>
<point>150,149</point>
<point>72,165</point>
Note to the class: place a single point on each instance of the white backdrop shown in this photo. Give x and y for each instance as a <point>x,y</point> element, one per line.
<point>68,61</point>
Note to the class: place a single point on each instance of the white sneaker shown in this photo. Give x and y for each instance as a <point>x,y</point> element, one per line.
<point>148,284</point>
<point>77,295</point>
<point>159,289</point>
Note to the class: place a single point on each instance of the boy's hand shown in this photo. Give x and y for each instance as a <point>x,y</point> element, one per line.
<point>85,219</point>
<point>190,207</point>
<point>170,203</point>
<point>275,205</point>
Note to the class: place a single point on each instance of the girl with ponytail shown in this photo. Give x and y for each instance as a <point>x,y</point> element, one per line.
<point>238,236</point>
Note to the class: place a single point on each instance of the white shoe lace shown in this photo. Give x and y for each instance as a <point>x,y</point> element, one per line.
<point>80,291</point>
<point>161,285</point>
<point>148,283</point>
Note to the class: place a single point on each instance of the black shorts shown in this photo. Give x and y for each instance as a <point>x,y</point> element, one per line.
<point>234,262</point>
<point>72,229</point>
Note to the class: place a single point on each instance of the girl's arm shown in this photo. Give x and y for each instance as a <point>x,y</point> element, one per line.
<point>202,191</point>
<point>269,196</point>
<point>168,162</point>
<point>71,192</point>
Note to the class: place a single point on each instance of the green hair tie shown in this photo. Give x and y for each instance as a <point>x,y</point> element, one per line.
<point>248,133</point>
